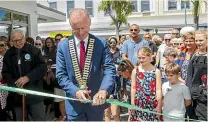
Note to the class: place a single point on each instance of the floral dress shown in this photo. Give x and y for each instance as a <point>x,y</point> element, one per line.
<point>145,96</point>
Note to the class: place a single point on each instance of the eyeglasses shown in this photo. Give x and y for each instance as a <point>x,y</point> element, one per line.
<point>175,33</point>
<point>18,40</point>
<point>37,43</point>
<point>133,29</point>
<point>177,44</point>
<point>147,37</point>
<point>2,45</point>
<point>186,41</point>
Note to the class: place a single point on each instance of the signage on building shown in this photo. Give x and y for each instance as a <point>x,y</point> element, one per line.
<point>64,33</point>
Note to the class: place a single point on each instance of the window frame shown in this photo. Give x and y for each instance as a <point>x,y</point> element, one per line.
<point>174,8</point>
<point>89,7</point>
<point>141,5</point>
<point>132,3</point>
<point>50,3</point>
<point>67,8</point>
<point>186,4</point>
<point>13,23</point>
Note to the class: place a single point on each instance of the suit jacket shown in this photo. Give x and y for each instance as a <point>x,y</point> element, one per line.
<point>32,66</point>
<point>102,74</point>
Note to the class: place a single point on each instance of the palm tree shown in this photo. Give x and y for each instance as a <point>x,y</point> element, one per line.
<point>118,10</point>
<point>197,5</point>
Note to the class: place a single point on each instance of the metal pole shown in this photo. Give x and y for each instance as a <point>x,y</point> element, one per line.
<point>185,14</point>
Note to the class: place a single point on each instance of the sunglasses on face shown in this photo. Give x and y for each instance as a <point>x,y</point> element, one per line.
<point>167,39</point>
<point>147,37</point>
<point>57,39</point>
<point>112,42</point>
<point>37,43</point>
<point>177,44</point>
<point>134,30</point>
<point>2,45</point>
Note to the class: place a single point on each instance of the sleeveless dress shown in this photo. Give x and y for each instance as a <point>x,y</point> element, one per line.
<point>145,96</point>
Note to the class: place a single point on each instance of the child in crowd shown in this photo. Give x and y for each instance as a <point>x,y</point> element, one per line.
<point>125,69</point>
<point>170,55</point>
<point>146,88</point>
<point>176,95</point>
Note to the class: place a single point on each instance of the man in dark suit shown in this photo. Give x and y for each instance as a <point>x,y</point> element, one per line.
<point>84,67</point>
<point>24,67</point>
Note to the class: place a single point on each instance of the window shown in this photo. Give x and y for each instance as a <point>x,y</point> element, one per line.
<point>5,30</point>
<point>20,18</point>
<point>53,5</point>
<point>145,5</point>
<point>89,7</point>
<point>10,20</point>
<point>183,4</point>
<point>172,5</point>
<point>70,6</point>
<point>5,15</point>
<point>134,4</point>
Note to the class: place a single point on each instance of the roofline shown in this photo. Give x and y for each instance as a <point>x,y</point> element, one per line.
<point>45,7</point>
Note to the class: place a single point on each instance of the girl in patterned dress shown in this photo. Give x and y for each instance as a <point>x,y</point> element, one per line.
<point>146,91</point>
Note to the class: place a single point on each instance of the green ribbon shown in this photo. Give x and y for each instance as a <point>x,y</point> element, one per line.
<point>110,101</point>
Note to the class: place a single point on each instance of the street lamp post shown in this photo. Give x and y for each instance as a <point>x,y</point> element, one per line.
<point>185,15</point>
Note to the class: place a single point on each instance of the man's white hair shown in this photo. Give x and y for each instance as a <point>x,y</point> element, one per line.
<point>186,30</point>
<point>16,31</point>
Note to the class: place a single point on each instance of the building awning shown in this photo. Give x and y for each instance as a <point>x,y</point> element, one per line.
<point>46,14</point>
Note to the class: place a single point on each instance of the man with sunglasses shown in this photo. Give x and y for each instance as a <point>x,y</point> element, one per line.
<point>175,33</point>
<point>58,38</point>
<point>24,67</point>
<point>131,46</point>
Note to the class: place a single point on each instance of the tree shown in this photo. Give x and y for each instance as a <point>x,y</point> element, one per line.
<point>118,10</point>
<point>197,4</point>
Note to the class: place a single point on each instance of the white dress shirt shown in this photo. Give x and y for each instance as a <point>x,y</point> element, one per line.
<point>77,43</point>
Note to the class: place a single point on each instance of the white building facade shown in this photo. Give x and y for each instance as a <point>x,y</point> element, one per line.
<point>26,15</point>
<point>148,14</point>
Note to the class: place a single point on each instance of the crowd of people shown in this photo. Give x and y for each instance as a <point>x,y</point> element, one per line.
<point>162,74</point>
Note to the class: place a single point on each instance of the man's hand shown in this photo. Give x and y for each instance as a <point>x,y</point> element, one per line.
<point>80,94</point>
<point>100,97</point>
<point>22,81</point>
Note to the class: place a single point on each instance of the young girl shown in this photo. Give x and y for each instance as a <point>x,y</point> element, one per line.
<point>125,69</point>
<point>197,75</point>
<point>146,86</point>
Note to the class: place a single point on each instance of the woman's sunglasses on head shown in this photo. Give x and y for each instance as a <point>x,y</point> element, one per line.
<point>122,66</point>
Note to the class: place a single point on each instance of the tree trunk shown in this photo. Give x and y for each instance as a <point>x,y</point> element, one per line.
<point>117,31</point>
<point>196,22</point>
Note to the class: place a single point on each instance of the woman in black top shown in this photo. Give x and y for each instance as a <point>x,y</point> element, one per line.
<point>116,94</point>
